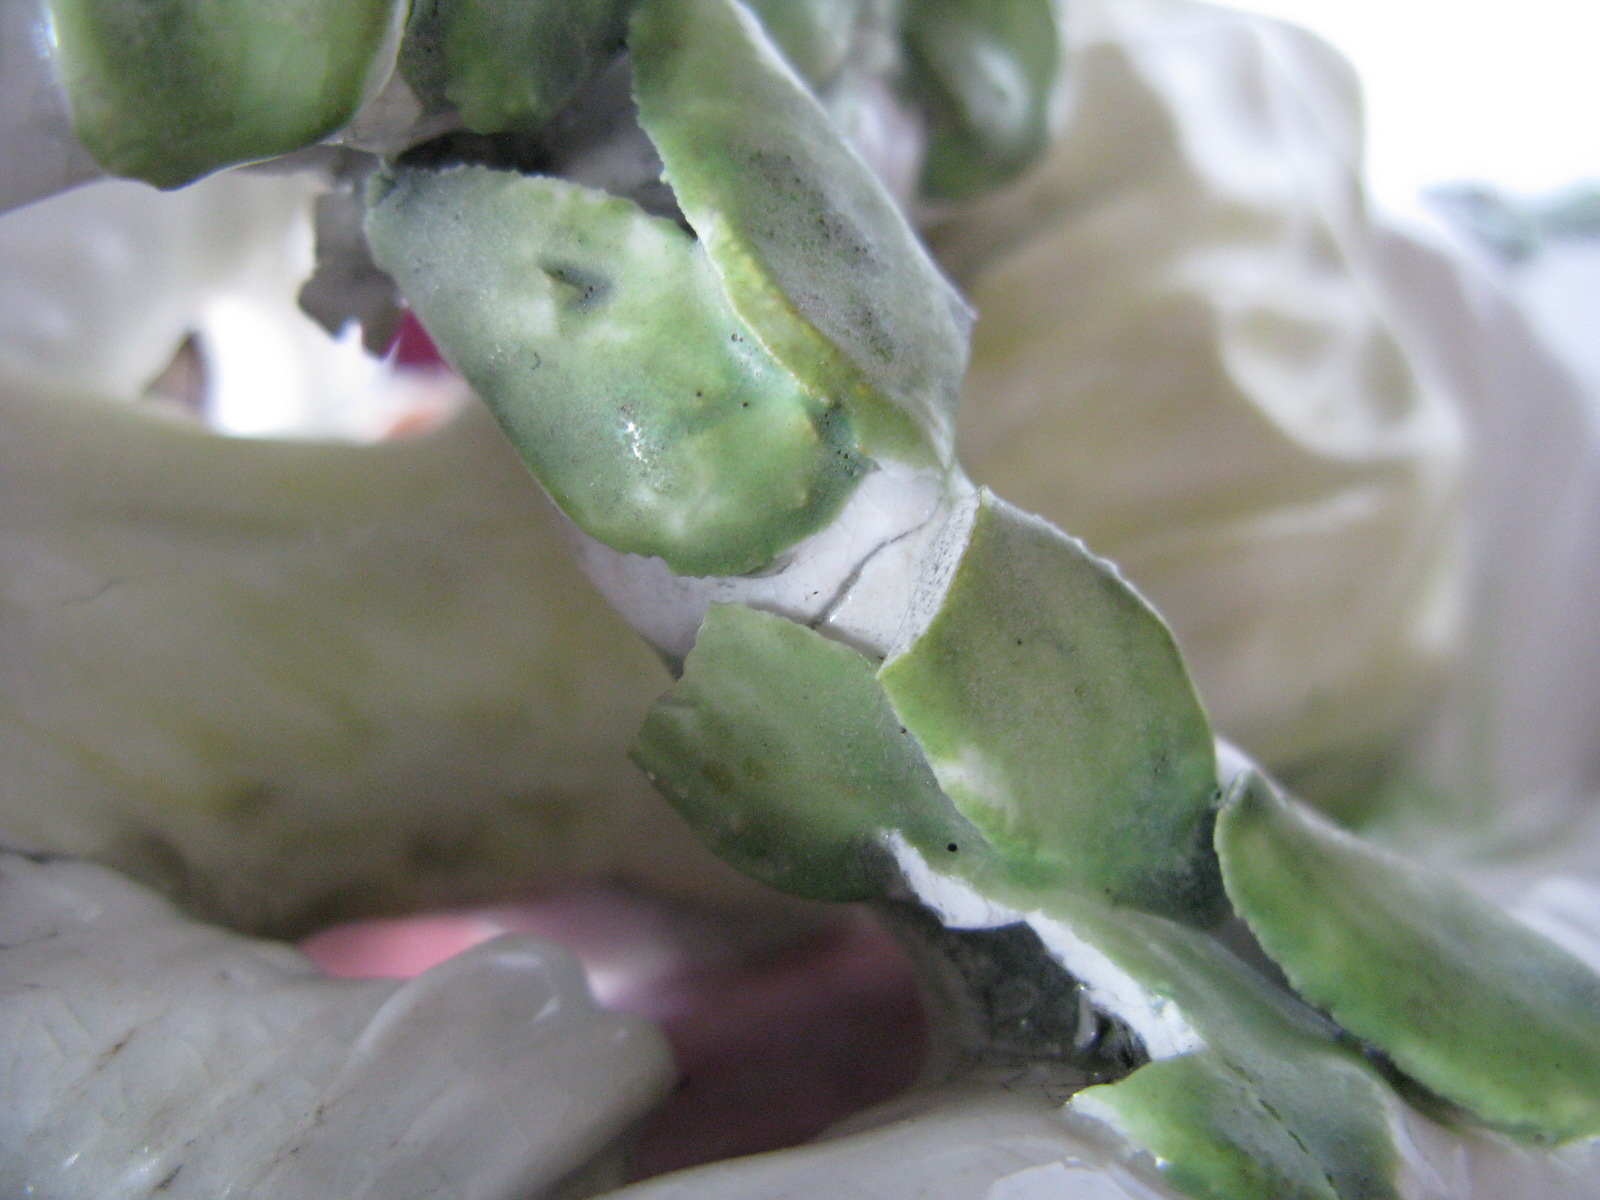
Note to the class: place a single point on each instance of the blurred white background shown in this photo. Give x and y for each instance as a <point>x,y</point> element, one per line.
<point>1500,93</point>
<point>1505,95</point>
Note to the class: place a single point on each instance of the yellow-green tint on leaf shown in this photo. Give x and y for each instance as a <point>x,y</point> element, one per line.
<point>779,748</point>
<point>985,71</point>
<point>811,249</point>
<point>1058,717</point>
<point>600,337</point>
<point>170,90</point>
<point>1210,1134</point>
<point>508,66</point>
<point>1474,1005</point>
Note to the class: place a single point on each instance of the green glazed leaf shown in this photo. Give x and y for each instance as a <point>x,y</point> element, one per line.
<point>600,338</point>
<point>170,90</point>
<point>1058,717</point>
<point>779,747</point>
<point>1210,1134</point>
<point>508,66</point>
<point>1287,1056</point>
<point>812,251</point>
<point>781,750</point>
<point>985,70</point>
<point>1474,1005</point>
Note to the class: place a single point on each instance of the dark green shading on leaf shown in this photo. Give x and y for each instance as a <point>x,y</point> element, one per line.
<point>984,71</point>
<point>1211,1136</point>
<point>814,254</point>
<point>170,90</point>
<point>600,337</point>
<point>508,67</point>
<point>1059,718</point>
<point>778,746</point>
<point>1466,1000</point>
